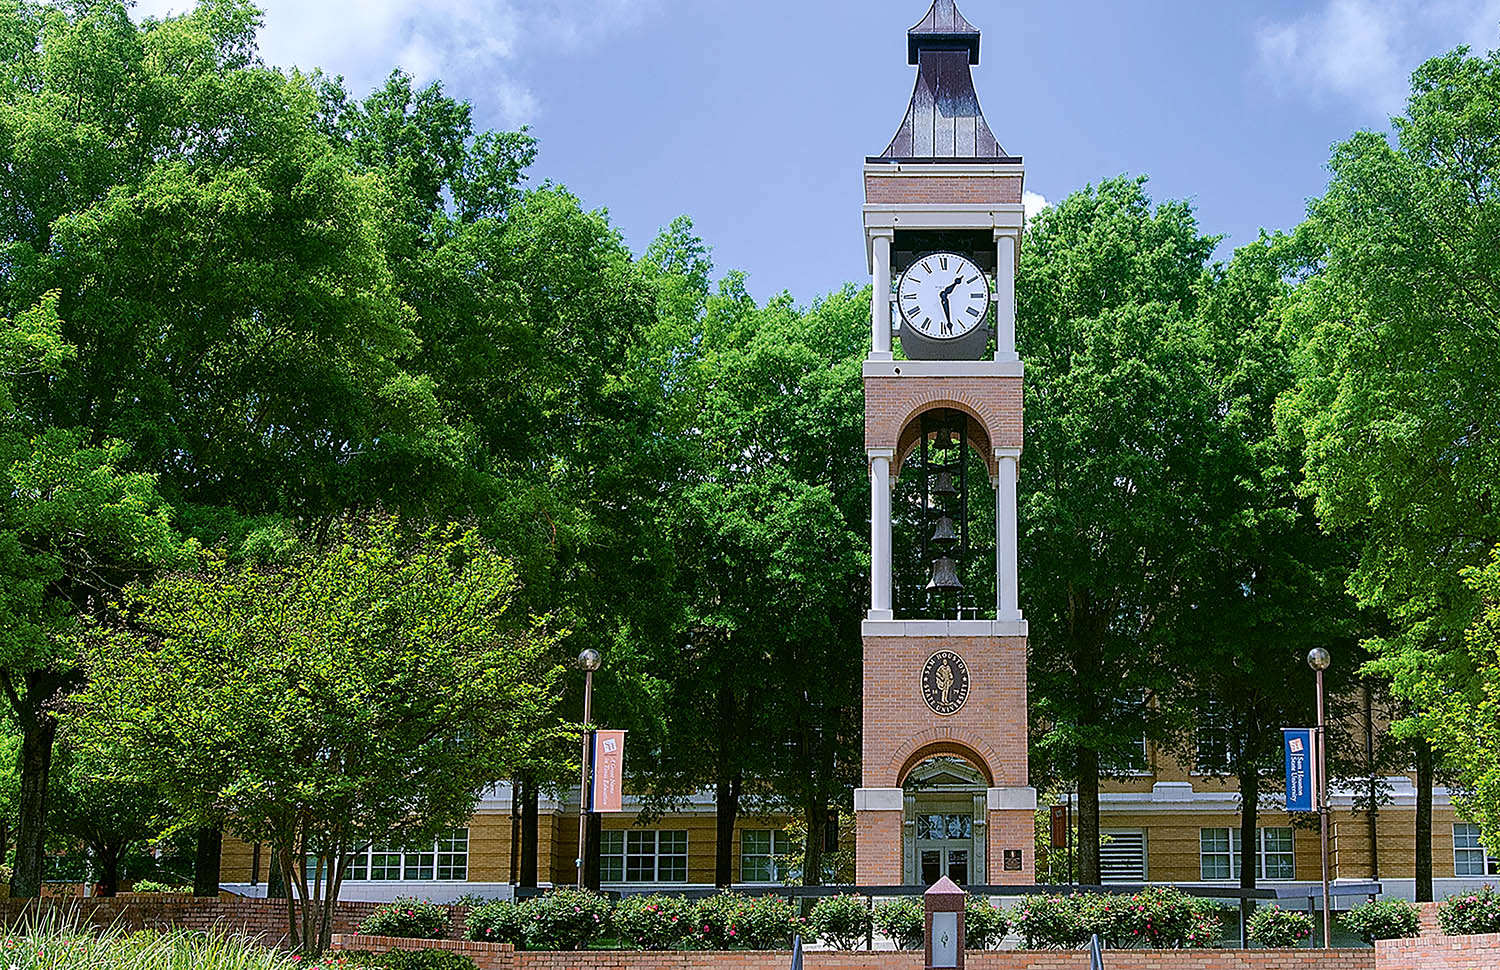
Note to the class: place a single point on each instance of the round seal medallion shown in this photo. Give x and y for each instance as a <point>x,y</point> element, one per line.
<point>945,682</point>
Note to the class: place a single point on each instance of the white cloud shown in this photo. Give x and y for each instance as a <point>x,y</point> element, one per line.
<point>1034,202</point>
<point>1365,50</point>
<point>479,46</point>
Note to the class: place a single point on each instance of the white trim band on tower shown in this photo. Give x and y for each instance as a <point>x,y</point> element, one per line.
<point>879,799</point>
<point>1000,799</point>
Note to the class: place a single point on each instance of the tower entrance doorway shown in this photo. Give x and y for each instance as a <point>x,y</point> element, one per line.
<point>943,828</point>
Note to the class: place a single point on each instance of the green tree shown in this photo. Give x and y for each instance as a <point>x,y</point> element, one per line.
<point>1463,701</point>
<point>1119,416</point>
<point>1265,582</point>
<point>92,806</point>
<point>366,693</point>
<point>1399,378</point>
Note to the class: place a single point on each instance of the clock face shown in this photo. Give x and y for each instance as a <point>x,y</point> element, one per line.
<point>943,296</point>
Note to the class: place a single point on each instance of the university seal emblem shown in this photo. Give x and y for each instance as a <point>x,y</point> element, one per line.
<point>945,682</point>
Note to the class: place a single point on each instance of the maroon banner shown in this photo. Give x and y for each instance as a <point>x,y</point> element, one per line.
<point>608,792</point>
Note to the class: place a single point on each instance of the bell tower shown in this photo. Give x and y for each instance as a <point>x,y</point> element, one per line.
<point>945,788</point>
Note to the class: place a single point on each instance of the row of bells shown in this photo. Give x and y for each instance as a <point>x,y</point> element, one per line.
<point>944,570</point>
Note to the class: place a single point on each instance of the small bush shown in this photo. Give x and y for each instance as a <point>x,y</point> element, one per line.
<point>903,921</point>
<point>497,921</point>
<point>655,922</point>
<point>731,921</point>
<point>1277,927</point>
<point>985,925</point>
<point>1049,921</point>
<point>843,921</point>
<point>407,917</point>
<point>564,919</point>
<point>152,886</point>
<point>1383,919</point>
<point>1471,912</point>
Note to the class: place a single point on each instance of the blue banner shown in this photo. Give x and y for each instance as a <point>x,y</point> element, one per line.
<point>1300,771</point>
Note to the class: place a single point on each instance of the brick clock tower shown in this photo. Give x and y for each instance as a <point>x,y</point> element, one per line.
<point>944,736</point>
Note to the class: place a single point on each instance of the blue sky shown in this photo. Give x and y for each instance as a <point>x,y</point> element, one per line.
<point>753,118</point>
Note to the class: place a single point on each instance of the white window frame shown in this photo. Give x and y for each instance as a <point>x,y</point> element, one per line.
<point>1236,856</point>
<point>1209,722</point>
<point>448,853</point>
<point>621,850</point>
<point>1468,848</point>
<point>777,847</point>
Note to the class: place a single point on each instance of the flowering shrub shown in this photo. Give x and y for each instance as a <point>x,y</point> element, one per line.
<point>1277,927</point>
<point>1471,912</point>
<point>654,922</point>
<point>497,921</point>
<point>843,920</point>
<point>1383,919</point>
<point>731,921</point>
<point>1157,918</point>
<point>985,925</point>
<point>564,919</point>
<point>413,918</point>
<point>152,886</point>
<point>903,921</point>
<point>1049,921</point>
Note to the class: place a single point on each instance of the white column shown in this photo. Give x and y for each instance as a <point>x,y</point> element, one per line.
<point>880,301</point>
<point>1005,297</point>
<point>880,533</point>
<point>1007,596</point>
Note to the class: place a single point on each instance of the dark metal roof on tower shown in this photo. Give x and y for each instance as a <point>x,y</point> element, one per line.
<point>944,121</point>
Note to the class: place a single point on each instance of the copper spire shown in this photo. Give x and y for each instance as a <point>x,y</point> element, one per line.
<point>944,120</point>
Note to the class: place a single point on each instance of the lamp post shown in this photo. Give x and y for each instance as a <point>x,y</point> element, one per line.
<point>589,661</point>
<point>1318,659</point>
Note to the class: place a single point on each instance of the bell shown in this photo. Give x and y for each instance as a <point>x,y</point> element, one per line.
<point>944,484</point>
<point>945,438</point>
<point>944,576</point>
<point>945,534</point>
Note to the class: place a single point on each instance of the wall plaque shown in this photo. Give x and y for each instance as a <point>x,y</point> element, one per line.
<point>945,682</point>
<point>1012,859</point>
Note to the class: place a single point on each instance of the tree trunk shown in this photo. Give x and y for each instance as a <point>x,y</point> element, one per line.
<point>1424,821</point>
<point>528,831</point>
<point>206,862</point>
<point>1088,817</point>
<point>515,831</point>
<point>276,887</point>
<point>108,857</point>
<point>726,811</point>
<point>816,816</point>
<point>1249,843</point>
<point>31,833</point>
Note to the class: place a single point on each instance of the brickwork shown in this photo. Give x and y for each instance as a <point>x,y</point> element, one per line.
<point>900,729</point>
<point>877,848</point>
<point>486,956</point>
<point>892,402</point>
<point>916,188</point>
<point>1013,829</point>
<point>263,919</point>
<point>1439,953</point>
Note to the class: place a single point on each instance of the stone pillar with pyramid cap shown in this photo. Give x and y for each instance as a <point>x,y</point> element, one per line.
<point>945,791</point>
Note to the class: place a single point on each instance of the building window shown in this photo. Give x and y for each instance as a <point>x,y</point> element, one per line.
<point>1470,858</point>
<point>1219,854</point>
<point>759,851</point>
<point>445,860</point>
<point>1211,739</point>
<point>954,826</point>
<point>643,855</point>
<point>1122,856</point>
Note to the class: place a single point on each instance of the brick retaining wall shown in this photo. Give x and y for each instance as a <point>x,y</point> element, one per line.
<point>262,919</point>
<point>1481,952</point>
